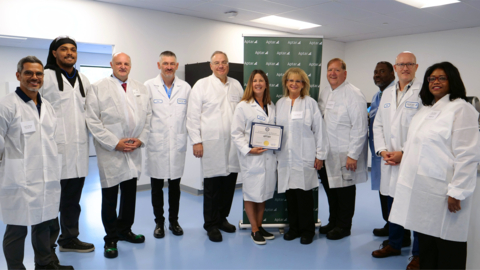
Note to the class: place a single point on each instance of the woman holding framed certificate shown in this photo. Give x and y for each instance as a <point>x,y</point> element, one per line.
<point>304,147</point>
<point>257,164</point>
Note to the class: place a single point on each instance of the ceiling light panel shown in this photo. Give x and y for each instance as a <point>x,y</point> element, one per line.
<point>285,22</point>
<point>427,3</point>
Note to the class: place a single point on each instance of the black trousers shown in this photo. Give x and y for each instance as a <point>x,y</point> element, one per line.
<point>69,212</point>
<point>122,223</point>
<point>14,244</point>
<point>341,202</point>
<point>385,209</point>
<point>217,199</point>
<point>173,199</point>
<point>300,212</point>
<point>436,253</point>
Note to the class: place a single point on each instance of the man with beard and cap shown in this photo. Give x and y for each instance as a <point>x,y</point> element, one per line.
<point>167,144</point>
<point>383,77</point>
<point>29,168</point>
<point>118,116</point>
<point>65,88</point>
<point>399,104</point>
<point>209,118</point>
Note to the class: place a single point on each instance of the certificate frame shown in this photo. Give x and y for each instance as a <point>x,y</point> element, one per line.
<point>279,148</point>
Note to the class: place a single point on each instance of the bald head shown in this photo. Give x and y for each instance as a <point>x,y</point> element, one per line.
<point>121,65</point>
<point>405,67</point>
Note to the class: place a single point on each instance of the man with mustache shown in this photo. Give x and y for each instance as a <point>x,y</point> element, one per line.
<point>209,118</point>
<point>29,168</point>
<point>65,88</point>
<point>118,116</point>
<point>383,77</point>
<point>345,113</point>
<point>399,103</point>
<point>167,144</point>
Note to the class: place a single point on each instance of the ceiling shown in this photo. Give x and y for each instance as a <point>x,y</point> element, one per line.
<point>341,20</point>
<point>40,43</point>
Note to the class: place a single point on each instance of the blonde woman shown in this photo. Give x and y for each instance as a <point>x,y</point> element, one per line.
<point>304,148</point>
<point>257,165</point>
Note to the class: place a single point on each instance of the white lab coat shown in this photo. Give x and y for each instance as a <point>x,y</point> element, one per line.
<point>346,119</point>
<point>304,139</point>
<point>29,163</point>
<point>109,120</point>
<point>440,160</point>
<point>167,142</point>
<point>391,128</point>
<point>72,133</point>
<point>209,118</point>
<point>258,171</point>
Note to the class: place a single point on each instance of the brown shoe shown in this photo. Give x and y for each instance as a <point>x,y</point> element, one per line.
<point>386,251</point>
<point>414,262</point>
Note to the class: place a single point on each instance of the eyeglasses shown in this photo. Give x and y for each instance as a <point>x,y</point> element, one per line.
<point>293,81</point>
<point>225,63</point>
<point>408,65</point>
<point>28,73</point>
<point>441,79</point>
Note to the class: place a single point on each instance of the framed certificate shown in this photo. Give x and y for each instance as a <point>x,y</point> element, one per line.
<point>266,136</point>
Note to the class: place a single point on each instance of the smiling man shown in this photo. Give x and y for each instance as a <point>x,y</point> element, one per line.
<point>29,168</point>
<point>400,102</point>
<point>65,88</point>
<point>345,113</point>
<point>167,145</point>
<point>209,117</point>
<point>118,116</point>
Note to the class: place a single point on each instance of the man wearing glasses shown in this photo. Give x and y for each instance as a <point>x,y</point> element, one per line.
<point>65,88</point>
<point>344,109</point>
<point>210,111</point>
<point>399,103</point>
<point>29,168</point>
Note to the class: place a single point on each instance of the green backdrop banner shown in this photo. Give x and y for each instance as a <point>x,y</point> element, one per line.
<point>275,55</point>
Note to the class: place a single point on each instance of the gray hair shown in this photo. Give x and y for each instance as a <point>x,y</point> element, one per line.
<point>218,52</point>
<point>168,53</point>
<point>28,59</point>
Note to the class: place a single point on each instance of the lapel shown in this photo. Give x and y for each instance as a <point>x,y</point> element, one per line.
<point>393,102</point>
<point>159,85</point>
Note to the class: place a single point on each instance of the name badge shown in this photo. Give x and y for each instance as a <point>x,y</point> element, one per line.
<point>136,93</point>
<point>259,117</point>
<point>28,127</point>
<point>181,101</point>
<point>330,104</point>
<point>433,115</point>
<point>297,115</point>
<point>386,105</point>
<point>411,105</point>
<point>234,98</point>
<point>157,101</point>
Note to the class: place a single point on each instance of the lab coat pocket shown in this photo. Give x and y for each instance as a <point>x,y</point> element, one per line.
<point>432,163</point>
<point>14,174</point>
<point>181,142</point>
<point>155,142</point>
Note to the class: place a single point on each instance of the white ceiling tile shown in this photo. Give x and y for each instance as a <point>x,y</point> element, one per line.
<point>472,3</point>
<point>455,12</point>
<point>300,3</point>
<point>254,5</point>
<point>378,6</point>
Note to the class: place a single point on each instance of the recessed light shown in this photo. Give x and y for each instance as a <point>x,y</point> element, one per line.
<point>231,14</point>
<point>285,22</point>
<point>427,3</point>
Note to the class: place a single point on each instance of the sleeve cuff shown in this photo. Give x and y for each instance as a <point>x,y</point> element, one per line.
<point>458,193</point>
<point>245,150</point>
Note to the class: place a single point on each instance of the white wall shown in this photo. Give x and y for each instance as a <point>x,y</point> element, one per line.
<point>460,47</point>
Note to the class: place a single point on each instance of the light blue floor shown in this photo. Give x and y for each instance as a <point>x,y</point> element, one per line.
<point>193,250</point>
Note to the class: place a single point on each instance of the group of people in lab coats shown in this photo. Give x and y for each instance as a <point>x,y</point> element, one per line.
<point>44,153</point>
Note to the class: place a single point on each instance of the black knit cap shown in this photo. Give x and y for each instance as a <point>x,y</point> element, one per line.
<point>56,43</point>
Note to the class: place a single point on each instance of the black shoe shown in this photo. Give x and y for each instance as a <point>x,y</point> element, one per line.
<point>132,238</point>
<point>380,232</point>
<point>53,265</point>
<point>215,235</point>
<point>175,228</point>
<point>266,234</point>
<point>227,227</point>
<point>159,232</point>
<point>111,250</point>
<point>306,240</point>
<point>406,242</point>
<point>258,238</point>
<point>290,235</point>
<point>337,233</point>
<point>76,245</point>
<point>325,229</point>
